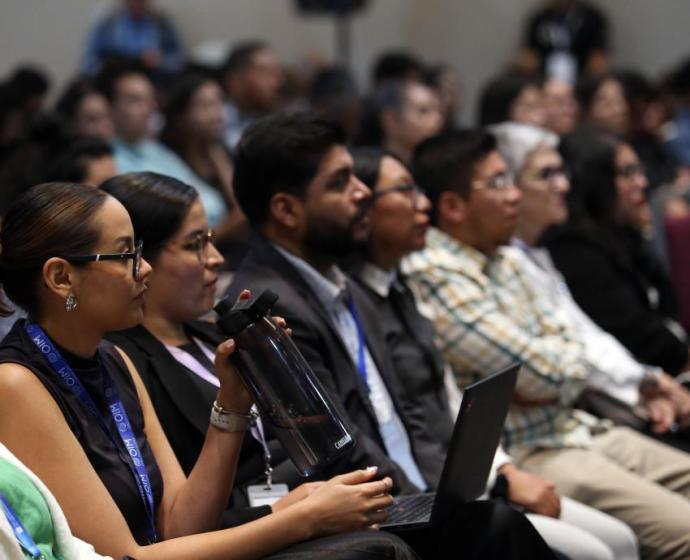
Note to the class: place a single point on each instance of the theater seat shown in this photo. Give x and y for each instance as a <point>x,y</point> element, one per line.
<point>678,245</point>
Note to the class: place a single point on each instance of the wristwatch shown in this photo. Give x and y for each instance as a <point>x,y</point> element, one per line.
<point>230,421</point>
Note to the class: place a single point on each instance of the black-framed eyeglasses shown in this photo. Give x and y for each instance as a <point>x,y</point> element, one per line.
<point>631,170</point>
<point>199,244</point>
<point>498,182</point>
<point>134,255</point>
<point>413,191</point>
<point>551,172</point>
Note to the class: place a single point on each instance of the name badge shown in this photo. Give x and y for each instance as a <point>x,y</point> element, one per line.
<point>262,495</point>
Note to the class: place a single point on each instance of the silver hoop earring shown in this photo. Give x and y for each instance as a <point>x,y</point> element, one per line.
<point>71,302</point>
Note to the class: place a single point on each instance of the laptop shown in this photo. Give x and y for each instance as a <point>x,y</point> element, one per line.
<point>476,435</point>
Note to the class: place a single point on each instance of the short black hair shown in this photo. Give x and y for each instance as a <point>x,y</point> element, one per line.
<point>587,87</point>
<point>157,205</point>
<point>240,57</point>
<point>332,86</point>
<point>446,162</point>
<point>500,93</point>
<point>71,165</point>
<point>394,66</point>
<point>72,96</point>
<point>29,81</point>
<point>107,80</point>
<point>280,153</point>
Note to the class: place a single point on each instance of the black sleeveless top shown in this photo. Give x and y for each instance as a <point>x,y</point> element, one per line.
<point>109,463</point>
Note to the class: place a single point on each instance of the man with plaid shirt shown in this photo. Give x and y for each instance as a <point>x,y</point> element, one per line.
<point>488,316</point>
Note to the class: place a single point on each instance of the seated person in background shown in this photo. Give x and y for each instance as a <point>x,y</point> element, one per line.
<point>294,181</point>
<point>38,512</point>
<point>402,115</point>
<point>138,31</point>
<point>630,296</point>
<point>85,110</point>
<point>399,219</point>
<point>560,106</point>
<point>87,160</point>
<point>487,316</point>
<point>75,411</point>
<point>602,104</point>
<point>333,95</point>
<point>194,128</point>
<point>540,174</point>
<point>133,105</point>
<point>514,97</point>
<point>566,38</point>
<point>172,350</point>
<point>252,79</point>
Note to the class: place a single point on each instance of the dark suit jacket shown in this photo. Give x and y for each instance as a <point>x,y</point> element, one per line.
<point>317,338</point>
<point>183,404</point>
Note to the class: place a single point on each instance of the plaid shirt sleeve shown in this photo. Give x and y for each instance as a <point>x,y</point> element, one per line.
<point>483,328</point>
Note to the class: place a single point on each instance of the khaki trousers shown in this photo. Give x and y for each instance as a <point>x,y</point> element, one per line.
<point>642,482</point>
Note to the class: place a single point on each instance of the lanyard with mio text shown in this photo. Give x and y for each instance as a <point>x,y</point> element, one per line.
<point>66,374</point>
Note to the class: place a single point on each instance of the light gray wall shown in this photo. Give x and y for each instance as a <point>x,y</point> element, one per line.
<point>474,36</point>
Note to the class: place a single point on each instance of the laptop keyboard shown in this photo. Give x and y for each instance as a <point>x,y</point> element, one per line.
<point>411,509</point>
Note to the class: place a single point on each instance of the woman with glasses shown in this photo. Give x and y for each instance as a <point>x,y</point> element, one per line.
<point>603,255</point>
<point>74,410</point>
<point>172,350</point>
<point>542,178</point>
<point>399,219</point>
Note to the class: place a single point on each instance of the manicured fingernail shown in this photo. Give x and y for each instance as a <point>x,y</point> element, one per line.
<point>373,468</point>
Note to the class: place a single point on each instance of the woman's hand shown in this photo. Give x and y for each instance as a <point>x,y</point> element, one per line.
<point>297,495</point>
<point>347,502</point>
<point>233,394</point>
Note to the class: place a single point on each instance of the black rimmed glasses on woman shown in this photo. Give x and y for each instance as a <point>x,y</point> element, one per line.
<point>134,255</point>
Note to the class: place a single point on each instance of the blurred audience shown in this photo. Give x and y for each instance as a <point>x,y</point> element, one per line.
<point>630,295</point>
<point>560,106</point>
<point>566,38</point>
<point>396,66</point>
<point>134,30</point>
<point>333,95</point>
<point>514,97</point>
<point>87,160</point>
<point>85,110</point>
<point>602,103</point>
<point>403,115</point>
<point>194,128</point>
<point>132,98</point>
<point>252,78</point>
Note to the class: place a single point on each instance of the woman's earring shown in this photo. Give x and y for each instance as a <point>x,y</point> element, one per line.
<point>71,302</point>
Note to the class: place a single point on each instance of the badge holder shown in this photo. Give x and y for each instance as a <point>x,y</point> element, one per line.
<point>268,493</point>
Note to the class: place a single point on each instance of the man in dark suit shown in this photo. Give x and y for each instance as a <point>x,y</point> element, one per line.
<point>295,183</point>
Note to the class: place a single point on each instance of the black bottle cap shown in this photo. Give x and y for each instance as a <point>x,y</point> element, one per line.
<point>235,316</point>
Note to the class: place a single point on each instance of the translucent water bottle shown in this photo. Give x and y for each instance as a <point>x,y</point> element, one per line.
<point>286,391</point>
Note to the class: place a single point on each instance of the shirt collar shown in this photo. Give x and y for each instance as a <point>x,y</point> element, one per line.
<point>329,289</point>
<point>379,280</point>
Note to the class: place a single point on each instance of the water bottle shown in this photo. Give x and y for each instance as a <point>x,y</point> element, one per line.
<point>286,391</point>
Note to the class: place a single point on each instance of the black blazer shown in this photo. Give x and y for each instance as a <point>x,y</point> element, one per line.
<point>610,274</point>
<point>317,338</point>
<point>183,404</point>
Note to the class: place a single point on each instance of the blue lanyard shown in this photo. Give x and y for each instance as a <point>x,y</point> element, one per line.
<point>361,343</point>
<point>117,411</point>
<point>25,540</point>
